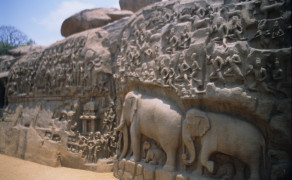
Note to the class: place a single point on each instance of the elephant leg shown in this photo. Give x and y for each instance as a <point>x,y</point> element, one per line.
<point>205,154</point>
<point>135,138</point>
<point>254,169</point>
<point>170,160</point>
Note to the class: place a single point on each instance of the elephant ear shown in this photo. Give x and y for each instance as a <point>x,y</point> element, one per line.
<point>199,121</point>
<point>203,125</point>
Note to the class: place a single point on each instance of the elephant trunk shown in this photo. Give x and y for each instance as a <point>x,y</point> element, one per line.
<point>188,141</point>
<point>122,127</point>
<point>122,123</point>
<point>126,142</point>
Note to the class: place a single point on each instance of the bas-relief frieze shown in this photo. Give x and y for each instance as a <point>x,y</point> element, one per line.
<point>203,52</point>
<point>196,89</point>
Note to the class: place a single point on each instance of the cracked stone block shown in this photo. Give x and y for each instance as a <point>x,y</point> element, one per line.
<point>162,175</point>
<point>130,167</point>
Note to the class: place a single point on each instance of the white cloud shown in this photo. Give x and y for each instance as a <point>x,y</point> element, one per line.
<point>55,19</point>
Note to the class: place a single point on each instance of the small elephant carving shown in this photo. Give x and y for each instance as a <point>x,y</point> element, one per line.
<point>225,134</point>
<point>153,154</point>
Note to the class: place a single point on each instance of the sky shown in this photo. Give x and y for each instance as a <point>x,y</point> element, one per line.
<point>41,20</point>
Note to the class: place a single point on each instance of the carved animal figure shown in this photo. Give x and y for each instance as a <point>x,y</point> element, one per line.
<point>224,134</point>
<point>153,118</point>
<point>153,154</point>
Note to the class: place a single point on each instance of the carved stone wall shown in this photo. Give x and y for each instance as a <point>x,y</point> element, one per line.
<point>180,90</point>
<point>225,67</point>
<point>62,103</point>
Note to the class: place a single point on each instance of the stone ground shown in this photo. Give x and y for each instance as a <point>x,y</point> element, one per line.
<point>15,169</point>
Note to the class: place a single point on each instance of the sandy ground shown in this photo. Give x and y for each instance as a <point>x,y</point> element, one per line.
<point>16,169</point>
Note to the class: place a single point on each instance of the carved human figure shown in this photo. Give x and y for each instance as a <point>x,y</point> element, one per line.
<point>146,116</point>
<point>260,76</point>
<point>277,77</point>
<point>78,70</point>
<point>195,70</point>
<point>112,145</point>
<point>108,120</point>
<point>233,62</point>
<point>235,29</point>
<point>263,33</point>
<point>98,145</point>
<point>217,65</point>
<point>185,39</point>
<point>220,30</point>
<point>90,155</point>
<point>172,41</point>
<point>220,133</point>
<point>277,30</point>
<point>168,74</point>
<point>183,69</point>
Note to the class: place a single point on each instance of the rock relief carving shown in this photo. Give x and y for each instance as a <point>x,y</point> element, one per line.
<point>230,59</point>
<point>194,50</point>
<point>143,113</point>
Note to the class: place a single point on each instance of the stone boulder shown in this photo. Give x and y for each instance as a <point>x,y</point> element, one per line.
<point>135,5</point>
<point>91,18</point>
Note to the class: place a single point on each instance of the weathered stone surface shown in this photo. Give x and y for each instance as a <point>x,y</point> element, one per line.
<point>122,164</point>
<point>91,18</point>
<point>120,173</point>
<point>148,173</point>
<point>6,62</point>
<point>181,177</point>
<point>139,170</point>
<point>78,67</point>
<point>139,177</point>
<point>135,5</point>
<point>161,175</point>
<point>199,88</point>
<point>127,176</point>
<point>116,15</point>
<point>130,167</point>
<point>23,50</point>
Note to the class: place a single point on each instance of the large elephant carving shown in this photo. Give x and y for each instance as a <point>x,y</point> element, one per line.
<point>153,118</point>
<point>221,133</point>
